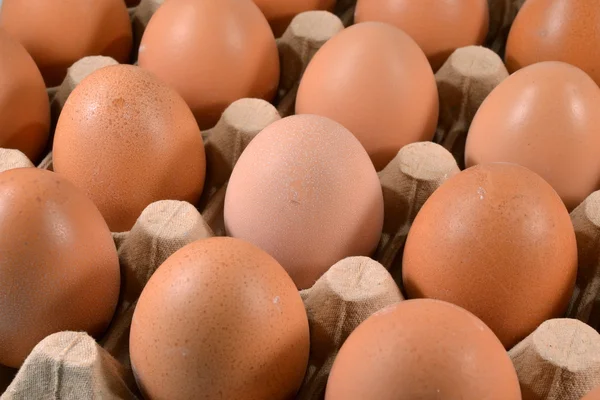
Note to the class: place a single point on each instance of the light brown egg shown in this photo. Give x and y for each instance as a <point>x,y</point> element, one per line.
<point>59,268</point>
<point>24,106</point>
<point>556,30</point>
<point>213,53</point>
<point>497,240</point>
<point>422,349</point>
<point>593,395</point>
<point>280,13</point>
<point>219,319</point>
<point>375,80</point>
<point>127,139</point>
<point>544,117</point>
<point>59,33</point>
<point>438,27</point>
<point>305,191</point>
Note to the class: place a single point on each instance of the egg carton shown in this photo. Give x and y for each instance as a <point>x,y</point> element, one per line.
<point>560,360</point>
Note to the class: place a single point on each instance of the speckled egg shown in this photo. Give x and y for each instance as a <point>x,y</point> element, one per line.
<point>305,191</point>
<point>219,319</point>
<point>59,33</point>
<point>556,30</point>
<point>375,80</point>
<point>543,117</point>
<point>24,106</point>
<point>213,53</point>
<point>127,139</point>
<point>422,349</point>
<point>496,240</point>
<point>59,268</point>
<point>438,27</point>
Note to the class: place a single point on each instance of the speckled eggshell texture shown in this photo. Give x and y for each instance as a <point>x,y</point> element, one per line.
<point>376,81</point>
<point>59,33</point>
<point>127,139</point>
<point>24,106</point>
<point>59,268</point>
<point>280,13</point>
<point>556,30</point>
<point>220,319</point>
<point>305,191</point>
<point>213,53</point>
<point>422,349</point>
<point>438,27</point>
<point>497,240</point>
<point>544,117</point>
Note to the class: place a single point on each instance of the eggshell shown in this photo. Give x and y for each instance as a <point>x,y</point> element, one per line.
<point>24,106</point>
<point>280,13</point>
<point>556,30</point>
<point>593,395</point>
<point>59,33</point>
<point>544,117</point>
<point>422,349</point>
<point>438,27</point>
<point>213,53</point>
<point>59,268</point>
<point>219,319</point>
<point>127,139</point>
<point>305,191</point>
<point>497,240</point>
<point>373,79</point>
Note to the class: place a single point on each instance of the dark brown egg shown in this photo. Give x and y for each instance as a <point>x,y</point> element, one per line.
<point>24,106</point>
<point>497,240</point>
<point>422,349</point>
<point>220,319</point>
<point>127,140</point>
<point>59,268</point>
<point>59,33</point>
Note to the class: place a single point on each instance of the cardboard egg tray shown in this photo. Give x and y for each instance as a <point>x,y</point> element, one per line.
<point>560,360</point>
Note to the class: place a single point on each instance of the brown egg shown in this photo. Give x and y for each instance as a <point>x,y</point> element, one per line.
<point>128,140</point>
<point>496,240</point>
<point>556,30</point>
<point>219,319</point>
<point>24,106</point>
<point>438,27</point>
<point>305,191</point>
<point>373,79</point>
<point>59,33</point>
<point>59,268</point>
<point>544,117</point>
<point>422,349</point>
<point>280,13</point>
<point>213,53</point>
<point>593,395</point>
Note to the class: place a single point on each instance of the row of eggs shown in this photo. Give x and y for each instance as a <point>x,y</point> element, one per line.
<point>307,214</point>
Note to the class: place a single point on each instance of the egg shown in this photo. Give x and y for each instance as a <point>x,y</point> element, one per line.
<point>127,140</point>
<point>496,240</point>
<point>280,13</point>
<point>221,319</point>
<point>375,80</point>
<point>59,33</point>
<point>438,27</point>
<point>593,395</point>
<point>556,30</point>
<point>59,268</point>
<point>305,191</point>
<point>545,118</point>
<point>24,106</point>
<point>213,53</point>
<point>422,349</point>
